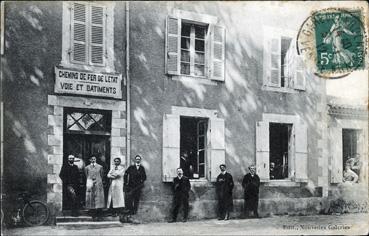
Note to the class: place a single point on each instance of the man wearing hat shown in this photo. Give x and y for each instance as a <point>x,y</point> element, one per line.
<point>224,187</point>
<point>251,183</point>
<point>115,195</point>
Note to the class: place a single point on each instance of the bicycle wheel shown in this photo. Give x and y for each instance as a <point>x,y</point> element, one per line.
<point>35,213</point>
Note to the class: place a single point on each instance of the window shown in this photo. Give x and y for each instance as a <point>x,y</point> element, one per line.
<point>193,146</point>
<point>194,46</point>
<point>283,68</point>
<point>193,139</point>
<point>87,42</point>
<point>352,162</point>
<point>281,148</point>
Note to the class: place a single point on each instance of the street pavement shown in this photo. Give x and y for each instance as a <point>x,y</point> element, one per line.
<point>346,224</point>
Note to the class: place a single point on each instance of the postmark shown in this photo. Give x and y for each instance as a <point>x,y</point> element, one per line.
<point>333,42</point>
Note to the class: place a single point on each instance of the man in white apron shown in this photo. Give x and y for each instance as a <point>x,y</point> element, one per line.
<point>116,195</point>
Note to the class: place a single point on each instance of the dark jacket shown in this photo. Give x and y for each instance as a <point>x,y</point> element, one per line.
<point>181,187</point>
<point>251,186</point>
<point>133,177</point>
<point>224,186</point>
<point>69,174</point>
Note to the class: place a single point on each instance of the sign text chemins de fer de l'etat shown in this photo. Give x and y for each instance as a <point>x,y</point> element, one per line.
<point>88,83</point>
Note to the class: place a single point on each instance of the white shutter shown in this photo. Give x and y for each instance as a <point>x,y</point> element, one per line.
<point>172,45</point>
<point>171,147</point>
<point>299,74</point>
<point>301,153</point>
<point>79,32</point>
<point>336,158</point>
<point>262,150</point>
<point>97,34</point>
<point>217,142</point>
<point>217,52</point>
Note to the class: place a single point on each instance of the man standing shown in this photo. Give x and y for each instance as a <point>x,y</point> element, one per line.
<point>69,174</point>
<point>115,195</point>
<point>134,179</point>
<point>251,183</point>
<point>224,187</point>
<point>182,187</point>
<point>94,188</point>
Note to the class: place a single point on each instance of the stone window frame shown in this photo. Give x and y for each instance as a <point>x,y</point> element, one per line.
<point>56,106</point>
<point>67,62</point>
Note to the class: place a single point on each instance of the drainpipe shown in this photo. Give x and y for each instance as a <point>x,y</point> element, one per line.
<point>128,85</point>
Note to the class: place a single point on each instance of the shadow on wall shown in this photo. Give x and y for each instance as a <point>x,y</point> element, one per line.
<point>32,48</point>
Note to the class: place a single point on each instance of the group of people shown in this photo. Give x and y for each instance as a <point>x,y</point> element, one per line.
<point>224,189</point>
<point>124,184</point>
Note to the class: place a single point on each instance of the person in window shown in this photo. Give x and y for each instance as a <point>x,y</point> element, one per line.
<point>355,163</point>
<point>348,175</point>
<point>134,179</point>
<point>115,195</point>
<point>251,183</point>
<point>181,188</point>
<point>70,176</point>
<point>94,188</point>
<point>224,187</point>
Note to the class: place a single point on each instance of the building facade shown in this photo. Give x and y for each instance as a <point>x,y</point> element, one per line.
<point>191,85</point>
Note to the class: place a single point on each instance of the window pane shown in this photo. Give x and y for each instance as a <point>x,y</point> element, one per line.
<point>186,29</point>
<point>199,58</point>
<point>202,157</point>
<point>200,31</point>
<point>202,170</point>
<point>201,128</point>
<point>200,45</point>
<point>201,142</point>
<point>185,43</point>
<point>185,56</point>
<point>274,77</point>
<point>199,70</point>
<point>185,68</point>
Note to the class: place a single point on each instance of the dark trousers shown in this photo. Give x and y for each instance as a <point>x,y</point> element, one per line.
<point>223,209</point>
<point>251,205</point>
<point>177,203</point>
<point>72,198</point>
<point>132,200</point>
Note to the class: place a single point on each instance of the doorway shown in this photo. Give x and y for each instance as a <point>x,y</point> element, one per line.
<point>86,133</point>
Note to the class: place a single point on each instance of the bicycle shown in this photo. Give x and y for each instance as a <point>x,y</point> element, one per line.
<point>33,212</point>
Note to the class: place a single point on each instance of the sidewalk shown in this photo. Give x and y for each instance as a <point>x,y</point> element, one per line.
<point>348,224</point>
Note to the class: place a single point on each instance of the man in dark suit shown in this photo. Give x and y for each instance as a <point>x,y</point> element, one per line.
<point>70,176</point>
<point>224,187</point>
<point>134,179</point>
<point>251,183</point>
<point>181,189</point>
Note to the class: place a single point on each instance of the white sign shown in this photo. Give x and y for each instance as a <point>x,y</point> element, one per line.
<point>88,83</point>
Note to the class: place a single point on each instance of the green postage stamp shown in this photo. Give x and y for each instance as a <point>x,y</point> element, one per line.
<point>334,40</point>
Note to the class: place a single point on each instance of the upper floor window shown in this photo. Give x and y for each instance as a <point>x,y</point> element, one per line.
<point>283,68</point>
<point>87,41</point>
<point>195,46</point>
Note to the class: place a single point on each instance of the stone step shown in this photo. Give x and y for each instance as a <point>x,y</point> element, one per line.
<point>64,219</point>
<point>89,224</point>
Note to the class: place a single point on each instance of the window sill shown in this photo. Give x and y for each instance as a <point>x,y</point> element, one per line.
<point>199,182</point>
<point>194,79</point>
<point>282,183</point>
<point>87,68</point>
<point>279,89</point>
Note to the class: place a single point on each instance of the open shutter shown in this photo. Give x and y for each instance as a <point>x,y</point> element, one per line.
<point>217,142</point>
<point>336,158</point>
<point>217,53</point>
<point>262,150</point>
<point>172,45</point>
<point>171,147</point>
<point>97,34</point>
<point>299,75</point>
<point>301,153</point>
<point>79,32</point>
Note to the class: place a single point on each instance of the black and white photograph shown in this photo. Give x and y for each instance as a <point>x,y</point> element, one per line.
<point>184,117</point>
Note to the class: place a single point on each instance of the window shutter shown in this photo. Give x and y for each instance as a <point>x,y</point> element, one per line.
<point>299,75</point>
<point>97,39</point>
<point>217,53</point>
<point>171,146</point>
<point>79,32</point>
<point>172,46</point>
<point>217,142</point>
<point>301,153</point>
<point>336,158</point>
<point>262,150</point>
